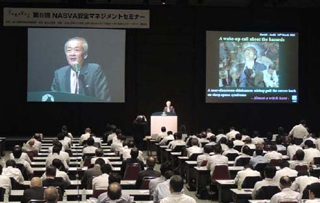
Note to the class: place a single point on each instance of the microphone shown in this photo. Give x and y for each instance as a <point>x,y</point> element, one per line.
<point>76,67</point>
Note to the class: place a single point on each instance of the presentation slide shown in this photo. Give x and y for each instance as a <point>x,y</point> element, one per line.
<point>76,65</point>
<point>251,67</point>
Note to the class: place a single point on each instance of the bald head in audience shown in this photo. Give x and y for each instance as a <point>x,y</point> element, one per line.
<point>285,182</point>
<point>114,191</point>
<point>151,162</point>
<point>36,182</point>
<point>51,195</point>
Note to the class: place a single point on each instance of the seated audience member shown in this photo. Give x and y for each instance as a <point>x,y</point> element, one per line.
<point>302,181</point>
<point>258,159</point>
<point>127,150</point>
<point>205,156</point>
<point>286,194</point>
<point>272,153</point>
<point>223,143</point>
<point>177,142</point>
<point>299,160</point>
<point>86,180</point>
<point>85,136</point>
<point>59,172</point>
<point>134,159</point>
<point>317,137</point>
<point>194,148</point>
<point>99,155</point>
<point>216,159</point>
<point>245,135</point>
<point>65,143</point>
<point>176,187</point>
<point>292,148</point>
<point>5,182</point>
<point>231,135</point>
<point>114,179</point>
<point>90,149</point>
<point>51,195</point>
<point>17,152</point>
<point>256,138</point>
<point>246,172</point>
<point>162,190</point>
<point>310,152</point>
<point>212,140</point>
<point>64,130</point>
<point>101,182</point>
<point>245,153</point>
<point>248,142</point>
<point>149,172</point>
<point>56,155</point>
<point>167,138</point>
<point>112,134</point>
<point>203,139</point>
<point>286,171</point>
<point>269,173</point>
<point>117,144</point>
<point>166,166</point>
<point>160,135</point>
<point>63,154</point>
<point>220,135</point>
<point>209,133</point>
<point>35,191</point>
<point>55,142</point>
<point>310,136</point>
<point>279,144</point>
<point>30,146</point>
<point>314,193</point>
<point>237,141</point>
<point>12,172</point>
<point>24,155</point>
<point>230,149</point>
<point>52,180</point>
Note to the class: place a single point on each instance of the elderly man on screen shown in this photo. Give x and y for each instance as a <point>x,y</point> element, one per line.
<point>80,77</point>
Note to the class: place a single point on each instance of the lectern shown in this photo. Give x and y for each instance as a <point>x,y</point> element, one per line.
<point>158,120</point>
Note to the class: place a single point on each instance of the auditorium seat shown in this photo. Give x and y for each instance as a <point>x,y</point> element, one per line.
<point>242,161</point>
<point>221,172</point>
<point>276,162</point>
<point>194,156</point>
<point>96,193</point>
<point>266,192</point>
<point>301,168</point>
<point>132,171</point>
<point>145,182</point>
<point>250,181</point>
<point>232,156</point>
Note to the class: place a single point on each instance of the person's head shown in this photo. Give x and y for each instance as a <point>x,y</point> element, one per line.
<point>176,184</point>
<point>270,171</point>
<point>207,149</point>
<point>271,69</point>
<point>51,195</point>
<point>169,132</point>
<point>232,128</point>
<point>58,144</point>
<point>56,149</point>
<point>300,155</point>
<point>151,162</point>
<point>238,136</point>
<point>31,142</point>
<point>51,172</point>
<point>36,182</point>
<point>87,130</point>
<point>230,144</point>
<point>209,130</point>
<point>99,162</point>
<point>99,152</point>
<point>246,150</point>
<point>247,140</point>
<point>308,144</point>
<point>212,138</point>
<point>220,131</point>
<point>255,133</point>
<point>118,132</point>
<point>183,129</point>
<point>194,142</point>
<point>314,190</point>
<point>113,128</point>
<point>217,149</point>
<point>60,136</point>
<point>57,163</point>
<point>64,128</point>
<point>259,151</point>
<point>90,141</point>
<point>163,129</point>
<point>76,50</point>
<point>114,178</point>
<point>17,151</point>
<point>168,174</point>
<point>178,136</point>
<point>134,153</point>
<point>280,130</point>
<point>114,191</point>
<point>37,136</point>
<point>106,168</point>
<point>168,103</point>
<point>285,182</point>
<point>303,122</point>
<point>165,166</point>
<point>273,148</point>
<point>250,54</point>
<point>11,163</point>
<point>223,140</point>
<point>131,144</point>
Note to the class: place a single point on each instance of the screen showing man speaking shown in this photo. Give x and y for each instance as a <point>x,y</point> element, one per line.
<point>76,65</point>
<point>251,67</point>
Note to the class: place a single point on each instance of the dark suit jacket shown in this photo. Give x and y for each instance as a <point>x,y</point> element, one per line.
<point>88,175</point>
<point>32,193</point>
<point>171,109</point>
<point>146,173</point>
<point>57,182</point>
<point>92,81</point>
<point>257,81</point>
<point>130,160</point>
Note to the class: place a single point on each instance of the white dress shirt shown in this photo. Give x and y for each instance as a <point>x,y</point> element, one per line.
<point>262,183</point>
<point>126,154</point>
<point>60,174</point>
<point>84,137</point>
<point>273,155</point>
<point>238,143</point>
<point>318,143</point>
<point>74,82</point>
<point>310,153</point>
<point>100,182</point>
<point>248,172</point>
<point>286,195</point>
<point>175,143</point>
<point>178,198</point>
<point>162,190</point>
<point>13,173</point>
<point>194,149</point>
<point>299,131</point>
<point>218,137</point>
<point>89,150</point>
<point>23,156</point>
<point>56,156</point>
<point>111,136</point>
<point>257,140</point>
<point>295,163</point>
<point>241,156</point>
<point>5,182</point>
<point>153,184</point>
<point>232,134</point>
<point>201,158</point>
<point>313,200</point>
<point>302,182</point>
<point>292,149</point>
<point>165,139</point>
<point>285,172</point>
<point>230,151</point>
<point>25,164</point>
<point>216,159</point>
<point>106,160</point>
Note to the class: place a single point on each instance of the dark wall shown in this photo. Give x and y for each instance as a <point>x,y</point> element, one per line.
<point>167,62</point>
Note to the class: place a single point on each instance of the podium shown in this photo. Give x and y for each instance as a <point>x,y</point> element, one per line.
<point>170,121</point>
<point>51,96</point>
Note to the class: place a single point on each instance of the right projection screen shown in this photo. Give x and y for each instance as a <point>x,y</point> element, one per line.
<point>251,67</point>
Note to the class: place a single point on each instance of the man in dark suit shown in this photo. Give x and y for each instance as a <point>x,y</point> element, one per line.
<point>149,172</point>
<point>34,192</point>
<point>169,108</point>
<point>80,77</point>
<point>251,71</point>
<point>88,175</point>
<point>52,180</point>
<point>134,159</point>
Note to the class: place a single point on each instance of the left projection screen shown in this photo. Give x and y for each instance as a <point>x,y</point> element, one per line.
<point>76,65</point>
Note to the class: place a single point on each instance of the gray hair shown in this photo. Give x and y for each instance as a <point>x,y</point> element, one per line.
<point>85,46</point>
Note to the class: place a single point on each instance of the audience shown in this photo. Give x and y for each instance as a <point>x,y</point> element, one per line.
<point>258,158</point>
<point>286,171</point>
<point>302,181</point>
<point>165,166</point>
<point>299,160</point>
<point>101,182</point>
<point>90,148</point>
<point>177,142</point>
<point>56,155</point>
<point>17,152</point>
<point>134,159</point>
<point>216,159</point>
<point>85,136</point>
<point>162,190</point>
<point>149,172</point>
<point>60,172</point>
<point>12,172</point>
<point>246,172</point>
<point>269,173</point>
<point>194,149</point>
<point>52,180</point>
<point>86,180</point>
<point>51,195</point>
<point>314,193</point>
<point>24,155</point>
<point>310,152</point>
<point>286,193</point>
<point>204,157</point>
<point>35,191</point>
